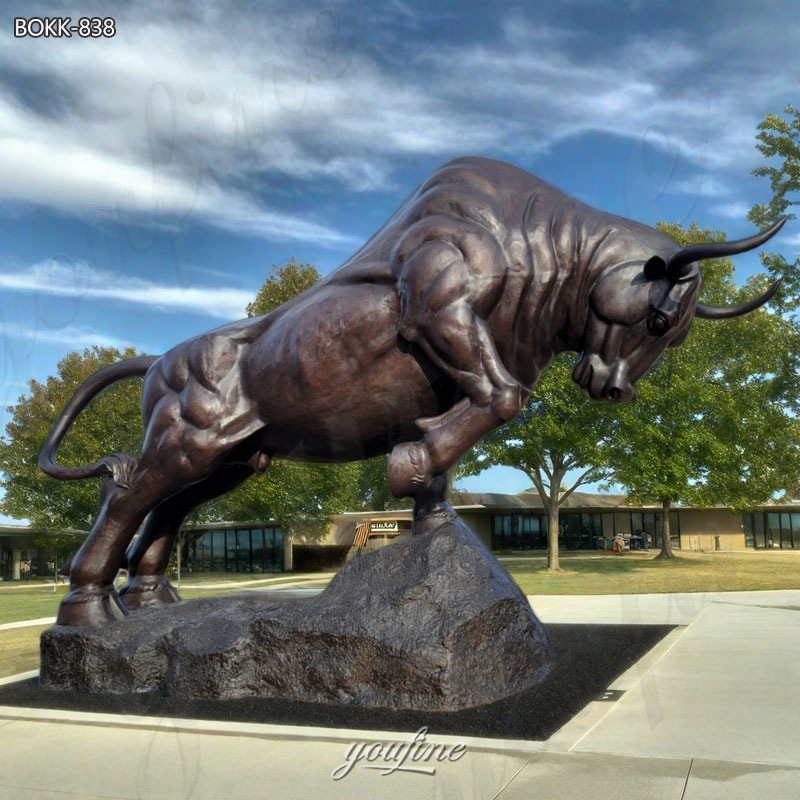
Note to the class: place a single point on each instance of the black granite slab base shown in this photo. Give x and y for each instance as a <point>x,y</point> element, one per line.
<point>587,659</point>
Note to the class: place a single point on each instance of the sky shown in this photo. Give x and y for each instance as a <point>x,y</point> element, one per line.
<point>149,180</point>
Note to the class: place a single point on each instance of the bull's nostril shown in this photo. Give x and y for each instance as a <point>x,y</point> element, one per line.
<point>613,393</point>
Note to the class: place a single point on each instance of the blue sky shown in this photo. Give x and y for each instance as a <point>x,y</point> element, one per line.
<point>149,181</point>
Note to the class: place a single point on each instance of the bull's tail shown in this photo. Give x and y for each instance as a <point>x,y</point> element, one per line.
<point>118,465</point>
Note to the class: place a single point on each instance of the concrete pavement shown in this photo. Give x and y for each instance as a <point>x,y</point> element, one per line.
<point>710,712</point>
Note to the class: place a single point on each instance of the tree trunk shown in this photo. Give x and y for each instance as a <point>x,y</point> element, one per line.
<point>288,554</point>
<point>552,538</point>
<point>180,545</point>
<point>666,543</point>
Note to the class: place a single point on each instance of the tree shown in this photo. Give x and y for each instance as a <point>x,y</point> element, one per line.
<point>283,284</point>
<point>111,423</point>
<point>713,421</point>
<point>559,430</point>
<point>779,140</point>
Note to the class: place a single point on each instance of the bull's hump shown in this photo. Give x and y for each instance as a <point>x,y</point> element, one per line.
<point>493,194</point>
<point>489,177</point>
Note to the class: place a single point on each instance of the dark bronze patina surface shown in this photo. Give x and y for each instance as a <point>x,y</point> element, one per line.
<point>429,337</point>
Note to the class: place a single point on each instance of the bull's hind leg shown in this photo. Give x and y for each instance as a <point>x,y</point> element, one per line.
<point>92,599</point>
<point>148,556</point>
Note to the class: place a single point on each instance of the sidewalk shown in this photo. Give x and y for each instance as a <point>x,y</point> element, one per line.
<point>711,712</point>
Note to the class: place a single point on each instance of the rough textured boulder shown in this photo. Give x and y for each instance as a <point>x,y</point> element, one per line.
<point>433,622</point>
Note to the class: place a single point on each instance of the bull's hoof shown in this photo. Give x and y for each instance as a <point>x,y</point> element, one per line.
<point>91,605</point>
<point>143,591</point>
<point>409,469</point>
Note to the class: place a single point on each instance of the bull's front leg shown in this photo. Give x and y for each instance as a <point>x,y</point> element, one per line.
<point>419,469</point>
<point>439,293</point>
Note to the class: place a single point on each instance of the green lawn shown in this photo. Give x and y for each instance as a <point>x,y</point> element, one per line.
<point>636,573</point>
<point>35,599</point>
<point>633,573</point>
<point>19,649</point>
<point>32,602</point>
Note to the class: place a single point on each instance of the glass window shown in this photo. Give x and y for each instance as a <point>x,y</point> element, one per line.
<point>786,531</point>
<point>773,529</point>
<point>218,551</point>
<point>268,563</point>
<point>243,551</point>
<point>580,529</point>
<point>759,529</point>
<point>257,543</point>
<point>230,549</point>
<point>748,523</point>
<point>795,521</point>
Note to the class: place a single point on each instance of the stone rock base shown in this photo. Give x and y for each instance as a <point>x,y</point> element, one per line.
<point>433,622</point>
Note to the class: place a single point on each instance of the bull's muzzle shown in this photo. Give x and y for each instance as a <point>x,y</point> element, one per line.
<point>617,388</point>
<point>600,382</point>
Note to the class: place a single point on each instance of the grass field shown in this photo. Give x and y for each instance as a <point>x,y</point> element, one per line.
<point>640,573</point>
<point>35,599</point>
<point>19,649</point>
<point>633,573</point>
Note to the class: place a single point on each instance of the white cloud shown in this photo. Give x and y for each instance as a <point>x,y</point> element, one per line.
<point>792,241</point>
<point>76,337</point>
<point>201,111</point>
<point>731,209</point>
<point>703,185</point>
<point>79,280</point>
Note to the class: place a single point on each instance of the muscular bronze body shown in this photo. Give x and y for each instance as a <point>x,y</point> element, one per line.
<point>429,337</point>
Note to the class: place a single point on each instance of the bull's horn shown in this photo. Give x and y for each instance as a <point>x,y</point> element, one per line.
<point>679,265</point>
<point>724,312</point>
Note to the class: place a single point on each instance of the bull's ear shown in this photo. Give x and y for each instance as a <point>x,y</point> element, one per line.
<point>655,268</point>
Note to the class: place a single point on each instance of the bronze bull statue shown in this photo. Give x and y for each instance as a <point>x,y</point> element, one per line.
<point>443,320</point>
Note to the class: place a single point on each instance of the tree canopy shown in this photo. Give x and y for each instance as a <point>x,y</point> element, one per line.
<point>713,421</point>
<point>560,430</point>
<point>111,423</point>
<point>281,285</point>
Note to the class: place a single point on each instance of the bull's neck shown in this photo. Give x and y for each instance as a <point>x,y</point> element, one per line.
<point>561,258</point>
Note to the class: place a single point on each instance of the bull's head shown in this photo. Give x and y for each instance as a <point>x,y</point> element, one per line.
<point>639,308</point>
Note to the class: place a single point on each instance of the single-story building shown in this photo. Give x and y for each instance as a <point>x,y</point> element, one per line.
<point>507,522</point>
<point>504,522</point>
<point>23,556</point>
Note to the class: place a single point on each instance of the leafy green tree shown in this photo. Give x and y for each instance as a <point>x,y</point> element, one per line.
<point>111,423</point>
<point>714,419</point>
<point>779,142</point>
<point>559,431</point>
<point>283,284</point>
<point>779,139</point>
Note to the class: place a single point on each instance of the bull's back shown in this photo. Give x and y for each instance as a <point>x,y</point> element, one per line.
<point>473,198</point>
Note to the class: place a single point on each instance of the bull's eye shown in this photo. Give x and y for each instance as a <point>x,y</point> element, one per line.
<point>657,323</point>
